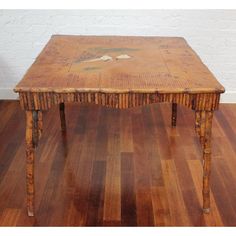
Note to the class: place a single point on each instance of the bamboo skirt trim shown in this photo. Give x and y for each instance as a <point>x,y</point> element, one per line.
<point>44,101</point>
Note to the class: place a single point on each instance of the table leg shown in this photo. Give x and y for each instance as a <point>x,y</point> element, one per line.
<point>197,122</point>
<point>174,114</point>
<point>62,117</point>
<point>40,123</point>
<point>202,127</point>
<point>31,143</point>
<point>208,116</point>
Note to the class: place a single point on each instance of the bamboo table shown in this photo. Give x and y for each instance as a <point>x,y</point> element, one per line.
<point>118,72</point>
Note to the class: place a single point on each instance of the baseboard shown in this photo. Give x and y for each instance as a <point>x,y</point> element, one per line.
<point>9,94</point>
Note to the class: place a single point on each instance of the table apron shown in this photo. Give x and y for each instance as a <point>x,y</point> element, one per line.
<point>45,100</point>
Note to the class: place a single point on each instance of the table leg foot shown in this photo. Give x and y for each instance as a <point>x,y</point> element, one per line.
<point>30,211</point>
<point>174,114</point>
<point>62,117</point>
<point>206,210</point>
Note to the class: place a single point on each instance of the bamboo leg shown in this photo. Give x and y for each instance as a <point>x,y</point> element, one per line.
<point>40,123</point>
<point>207,162</point>
<point>174,114</point>
<point>202,127</point>
<point>62,117</point>
<point>197,122</point>
<point>31,143</point>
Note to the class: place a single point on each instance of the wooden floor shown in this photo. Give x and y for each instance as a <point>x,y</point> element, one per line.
<point>117,167</point>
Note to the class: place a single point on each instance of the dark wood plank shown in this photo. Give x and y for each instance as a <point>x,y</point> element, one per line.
<point>128,199</point>
<point>96,192</point>
<point>112,197</point>
<point>142,175</point>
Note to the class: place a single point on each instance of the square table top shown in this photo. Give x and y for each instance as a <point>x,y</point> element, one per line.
<point>118,64</point>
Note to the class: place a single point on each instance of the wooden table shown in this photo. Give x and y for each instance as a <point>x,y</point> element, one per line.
<point>118,72</point>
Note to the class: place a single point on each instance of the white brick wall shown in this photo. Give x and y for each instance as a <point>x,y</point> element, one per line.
<point>211,33</point>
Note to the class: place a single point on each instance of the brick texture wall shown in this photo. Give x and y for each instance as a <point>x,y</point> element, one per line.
<point>211,33</point>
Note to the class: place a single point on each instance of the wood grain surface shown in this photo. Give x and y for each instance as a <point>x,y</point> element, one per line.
<point>117,167</point>
<point>118,64</point>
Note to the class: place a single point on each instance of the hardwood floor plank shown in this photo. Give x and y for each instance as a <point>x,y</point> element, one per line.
<point>47,203</point>
<point>151,147</point>
<point>95,195</point>
<point>102,135</point>
<point>142,175</point>
<point>161,133</point>
<point>112,198</point>
<point>126,140</point>
<point>161,210</point>
<point>186,185</point>
<point>178,210</point>
<point>228,130</point>
<point>128,199</point>
<point>214,217</point>
<point>220,192</point>
<point>83,171</point>
<point>228,178</point>
<point>9,217</point>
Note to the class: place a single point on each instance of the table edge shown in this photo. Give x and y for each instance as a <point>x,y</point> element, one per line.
<point>109,90</point>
